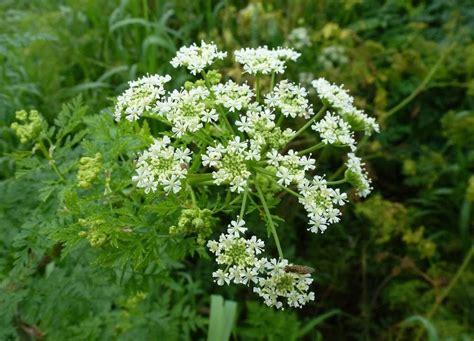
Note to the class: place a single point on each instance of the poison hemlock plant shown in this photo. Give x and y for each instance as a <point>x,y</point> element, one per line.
<point>233,138</point>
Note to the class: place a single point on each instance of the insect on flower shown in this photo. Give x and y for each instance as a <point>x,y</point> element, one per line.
<point>299,269</point>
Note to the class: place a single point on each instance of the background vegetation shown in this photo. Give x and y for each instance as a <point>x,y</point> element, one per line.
<point>397,267</point>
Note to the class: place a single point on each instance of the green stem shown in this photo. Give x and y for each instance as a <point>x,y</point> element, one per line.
<point>448,289</point>
<point>219,107</point>
<point>193,196</point>
<point>272,176</point>
<point>257,87</point>
<point>51,161</point>
<point>196,178</point>
<point>337,182</point>
<point>312,149</point>
<point>286,189</point>
<point>264,171</point>
<point>313,119</point>
<point>270,220</point>
<point>244,202</point>
<point>280,120</point>
<point>272,81</point>
<point>202,137</point>
<point>337,172</point>
<point>422,85</point>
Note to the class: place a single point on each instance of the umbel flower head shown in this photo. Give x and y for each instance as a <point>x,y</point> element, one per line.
<point>28,125</point>
<point>89,169</point>
<point>269,278</point>
<point>196,58</point>
<point>162,165</point>
<point>140,96</point>
<point>242,138</point>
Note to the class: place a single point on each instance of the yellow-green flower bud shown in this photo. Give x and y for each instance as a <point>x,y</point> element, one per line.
<point>89,169</point>
<point>213,77</point>
<point>29,126</point>
<point>470,189</point>
<point>195,221</point>
<point>409,167</point>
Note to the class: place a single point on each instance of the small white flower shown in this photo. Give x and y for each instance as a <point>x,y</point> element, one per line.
<point>256,245</point>
<point>284,177</point>
<point>209,116</point>
<point>249,275</point>
<point>172,184</point>
<point>221,277</point>
<point>236,227</point>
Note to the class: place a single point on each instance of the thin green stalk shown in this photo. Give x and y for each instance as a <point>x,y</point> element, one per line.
<point>313,119</point>
<point>193,196</point>
<point>337,172</point>
<point>219,107</point>
<point>204,183</point>
<point>272,176</point>
<point>337,182</point>
<point>197,178</point>
<point>51,161</point>
<point>312,149</point>
<point>264,171</point>
<point>272,81</point>
<point>257,87</point>
<point>244,202</point>
<point>286,189</point>
<point>448,289</point>
<point>422,85</point>
<point>270,220</point>
<point>280,120</point>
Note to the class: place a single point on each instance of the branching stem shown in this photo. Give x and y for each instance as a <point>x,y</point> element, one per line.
<point>270,220</point>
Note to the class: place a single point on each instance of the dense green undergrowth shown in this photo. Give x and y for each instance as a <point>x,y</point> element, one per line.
<point>397,267</point>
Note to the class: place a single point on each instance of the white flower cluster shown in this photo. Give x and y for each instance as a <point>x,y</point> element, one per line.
<point>317,198</point>
<point>299,38</point>
<point>290,99</point>
<point>142,95</point>
<point>259,124</point>
<point>271,280</point>
<point>187,110</point>
<point>197,58</point>
<point>332,56</point>
<point>334,130</point>
<point>357,175</point>
<point>230,162</point>
<point>245,143</point>
<point>162,165</point>
<point>281,283</point>
<point>263,60</point>
<point>339,99</point>
<point>290,168</point>
<point>233,96</point>
<point>319,201</point>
